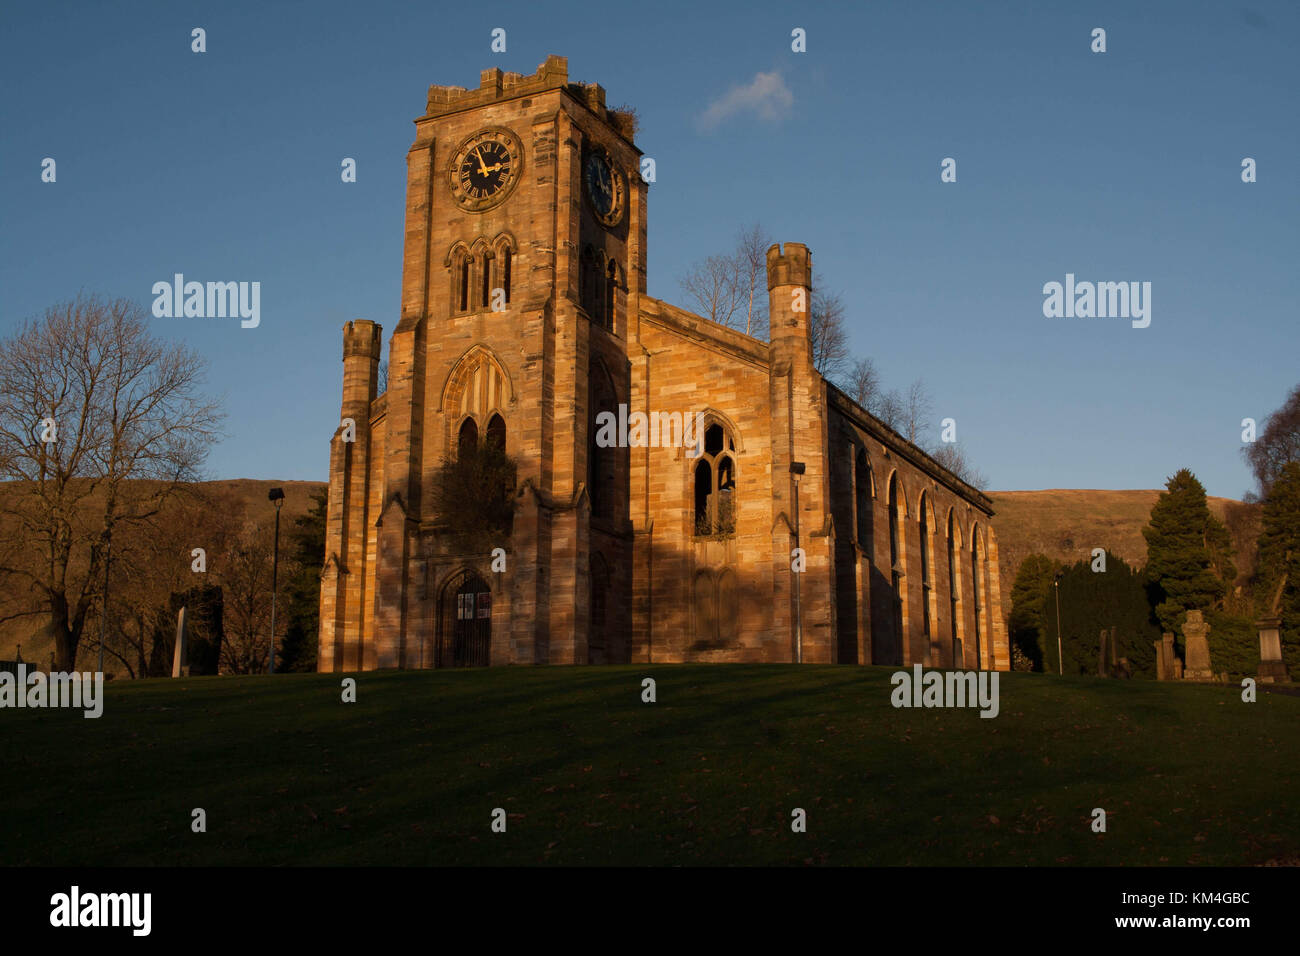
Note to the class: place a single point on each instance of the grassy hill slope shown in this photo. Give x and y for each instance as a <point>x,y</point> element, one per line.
<point>588,774</point>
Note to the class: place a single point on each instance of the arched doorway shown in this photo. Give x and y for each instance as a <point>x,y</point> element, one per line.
<point>465,623</point>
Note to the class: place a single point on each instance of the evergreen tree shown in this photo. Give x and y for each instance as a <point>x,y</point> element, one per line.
<point>474,495</point>
<point>306,551</point>
<point>1280,537</point>
<point>1188,552</point>
<point>1093,600</point>
<point>1029,594</point>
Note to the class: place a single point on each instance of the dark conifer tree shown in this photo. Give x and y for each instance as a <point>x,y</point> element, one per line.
<point>302,591</point>
<point>1188,552</point>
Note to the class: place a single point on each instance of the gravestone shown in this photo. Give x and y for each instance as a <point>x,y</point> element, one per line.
<point>1165,657</point>
<point>1271,667</point>
<point>203,632</point>
<point>1123,669</point>
<point>1106,664</point>
<point>180,663</point>
<point>1197,647</point>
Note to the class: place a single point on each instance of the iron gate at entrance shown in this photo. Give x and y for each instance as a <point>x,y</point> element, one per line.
<point>465,623</point>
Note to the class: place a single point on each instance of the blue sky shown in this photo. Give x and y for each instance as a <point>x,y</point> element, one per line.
<point>1122,166</point>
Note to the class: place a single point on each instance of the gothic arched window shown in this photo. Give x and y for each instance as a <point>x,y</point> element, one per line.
<point>496,432</point>
<point>459,262</point>
<point>467,440</point>
<point>862,488</point>
<point>893,524</point>
<point>927,586</point>
<point>895,560</point>
<point>952,589</point>
<point>611,284</point>
<point>507,254</point>
<point>977,581</point>
<point>588,277</point>
<point>485,277</point>
<point>715,483</point>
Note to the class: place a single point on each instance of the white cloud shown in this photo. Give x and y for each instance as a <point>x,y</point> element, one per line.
<point>766,96</point>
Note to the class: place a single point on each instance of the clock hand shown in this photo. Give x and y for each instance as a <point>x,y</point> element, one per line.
<point>479,156</point>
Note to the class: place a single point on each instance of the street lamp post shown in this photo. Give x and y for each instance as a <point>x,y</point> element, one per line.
<point>275,495</point>
<point>797,469</point>
<point>1060,660</point>
<point>103,611</point>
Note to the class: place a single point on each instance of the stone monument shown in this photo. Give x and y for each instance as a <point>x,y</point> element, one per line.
<point>1106,663</point>
<point>1197,647</point>
<point>180,663</point>
<point>1271,667</point>
<point>1168,666</point>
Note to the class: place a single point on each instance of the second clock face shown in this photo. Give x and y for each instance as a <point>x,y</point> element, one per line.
<point>485,168</point>
<point>604,188</point>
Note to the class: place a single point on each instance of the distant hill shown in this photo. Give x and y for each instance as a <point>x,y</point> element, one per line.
<point>251,492</point>
<point>1067,523</point>
<point>1062,523</point>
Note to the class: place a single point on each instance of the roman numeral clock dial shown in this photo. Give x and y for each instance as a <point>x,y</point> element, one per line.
<point>604,187</point>
<point>485,169</point>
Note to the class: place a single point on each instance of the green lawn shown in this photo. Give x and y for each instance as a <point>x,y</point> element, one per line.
<point>410,774</point>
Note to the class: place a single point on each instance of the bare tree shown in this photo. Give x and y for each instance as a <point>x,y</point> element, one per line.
<point>908,415</point>
<point>244,573</point>
<point>890,409</point>
<point>752,243</point>
<point>953,457</point>
<point>830,345</point>
<point>1277,444</point>
<point>864,385</point>
<point>732,289</point>
<point>156,560</point>
<point>917,407</point>
<point>90,403</point>
<point>713,288</point>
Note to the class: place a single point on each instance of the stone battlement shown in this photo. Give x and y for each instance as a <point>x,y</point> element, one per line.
<point>494,85</point>
<point>791,267</point>
<point>362,337</point>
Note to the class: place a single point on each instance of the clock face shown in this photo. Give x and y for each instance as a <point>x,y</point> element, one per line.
<point>604,187</point>
<point>485,168</point>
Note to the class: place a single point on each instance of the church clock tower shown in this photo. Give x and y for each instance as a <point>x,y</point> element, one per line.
<point>524,257</point>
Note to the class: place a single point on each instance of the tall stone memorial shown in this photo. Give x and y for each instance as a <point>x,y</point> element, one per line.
<point>1168,666</point>
<point>180,660</point>
<point>1271,667</point>
<point>1196,641</point>
<point>1107,666</point>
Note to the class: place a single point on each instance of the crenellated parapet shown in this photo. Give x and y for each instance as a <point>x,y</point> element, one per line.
<point>495,84</point>
<point>362,338</point>
<point>791,266</point>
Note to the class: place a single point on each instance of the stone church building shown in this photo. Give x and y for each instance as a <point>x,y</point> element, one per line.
<point>524,317</point>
